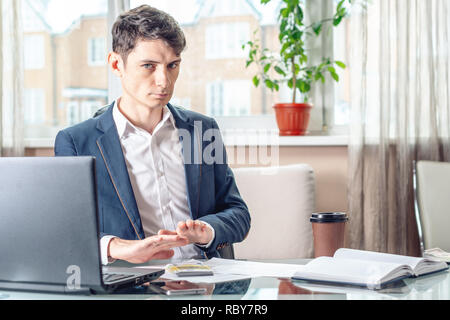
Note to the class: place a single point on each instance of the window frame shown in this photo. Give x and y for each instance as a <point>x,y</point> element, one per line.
<point>236,123</point>
<point>92,53</point>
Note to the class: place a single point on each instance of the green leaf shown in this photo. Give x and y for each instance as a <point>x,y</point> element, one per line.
<point>290,83</point>
<point>297,35</point>
<point>256,81</point>
<point>296,68</point>
<point>289,55</point>
<point>303,86</point>
<point>342,12</point>
<point>265,1</point>
<point>285,46</point>
<point>276,86</point>
<point>317,28</point>
<point>266,68</point>
<point>317,76</point>
<point>283,26</point>
<point>299,17</point>
<point>333,73</point>
<point>303,59</point>
<point>282,35</point>
<point>335,76</point>
<point>280,71</point>
<point>322,78</point>
<point>337,20</point>
<point>269,84</point>
<point>284,12</point>
<point>340,64</point>
<point>300,14</point>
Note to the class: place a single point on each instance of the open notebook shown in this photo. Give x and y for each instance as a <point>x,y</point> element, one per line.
<point>366,268</point>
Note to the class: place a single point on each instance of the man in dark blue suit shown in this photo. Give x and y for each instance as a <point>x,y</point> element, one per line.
<point>163,183</point>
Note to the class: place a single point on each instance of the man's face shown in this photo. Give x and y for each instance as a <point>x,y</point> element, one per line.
<point>149,75</point>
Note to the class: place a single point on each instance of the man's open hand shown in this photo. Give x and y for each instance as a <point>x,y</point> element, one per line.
<point>195,231</point>
<point>141,251</point>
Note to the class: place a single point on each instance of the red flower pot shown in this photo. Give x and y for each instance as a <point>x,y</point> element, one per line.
<point>292,118</point>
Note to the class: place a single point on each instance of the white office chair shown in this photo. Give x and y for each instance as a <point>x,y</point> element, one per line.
<point>280,201</point>
<point>432,195</point>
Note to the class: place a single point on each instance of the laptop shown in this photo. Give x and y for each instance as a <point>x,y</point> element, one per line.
<point>49,235</point>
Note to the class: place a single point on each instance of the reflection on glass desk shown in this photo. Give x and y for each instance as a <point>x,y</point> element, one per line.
<point>429,287</point>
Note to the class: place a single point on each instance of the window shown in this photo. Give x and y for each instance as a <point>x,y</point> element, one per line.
<point>88,109</point>
<point>225,40</point>
<point>97,51</point>
<point>34,106</point>
<point>185,102</point>
<point>215,32</point>
<point>214,98</point>
<point>67,41</point>
<point>73,113</point>
<point>228,98</point>
<point>34,49</point>
<point>64,61</point>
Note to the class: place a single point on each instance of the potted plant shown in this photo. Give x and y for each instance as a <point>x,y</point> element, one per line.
<point>291,63</point>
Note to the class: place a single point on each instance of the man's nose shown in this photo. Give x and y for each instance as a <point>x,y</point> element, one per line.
<point>162,78</point>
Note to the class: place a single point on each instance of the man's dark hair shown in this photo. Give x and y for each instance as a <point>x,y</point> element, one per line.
<point>146,23</point>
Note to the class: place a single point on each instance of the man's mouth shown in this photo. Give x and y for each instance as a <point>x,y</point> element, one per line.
<point>160,95</point>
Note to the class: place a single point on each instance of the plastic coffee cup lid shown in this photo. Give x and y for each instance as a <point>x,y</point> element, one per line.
<point>329,217</point>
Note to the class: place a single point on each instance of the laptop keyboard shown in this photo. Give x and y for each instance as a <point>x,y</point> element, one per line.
<point>111,277</point>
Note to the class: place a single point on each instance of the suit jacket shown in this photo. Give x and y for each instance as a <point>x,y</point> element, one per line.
<point>213,196</point>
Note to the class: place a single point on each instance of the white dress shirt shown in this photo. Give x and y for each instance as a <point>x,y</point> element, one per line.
<point>156,170</point>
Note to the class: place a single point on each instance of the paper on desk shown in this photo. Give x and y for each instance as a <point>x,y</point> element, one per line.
<point>253,269</point>
<point>216,278</point>
<point>233,270</point>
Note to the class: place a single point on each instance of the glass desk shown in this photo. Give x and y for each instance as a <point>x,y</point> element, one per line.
<point>431,287</point>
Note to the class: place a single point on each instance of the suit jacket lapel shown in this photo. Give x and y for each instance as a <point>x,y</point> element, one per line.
<point>190,137</point>
<point>112,154</point>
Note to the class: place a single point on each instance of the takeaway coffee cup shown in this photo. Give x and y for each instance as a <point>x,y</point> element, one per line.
<point>328,231</point>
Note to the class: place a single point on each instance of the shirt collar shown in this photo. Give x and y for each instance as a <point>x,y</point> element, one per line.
<point>125,127</point>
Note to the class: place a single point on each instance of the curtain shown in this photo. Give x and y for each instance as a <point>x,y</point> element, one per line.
<point>115,8</point>
<point>400,103</point>
<point>11,80</point>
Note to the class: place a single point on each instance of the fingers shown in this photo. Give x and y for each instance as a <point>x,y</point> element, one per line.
<point>195,231</point>
<point>163,241</point>
<point>163,255</point>
<point>166,233</point>
<point>184,226</point>
<point>191,226</point>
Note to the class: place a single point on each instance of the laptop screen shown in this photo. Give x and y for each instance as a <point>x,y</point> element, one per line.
<point>49,227</point>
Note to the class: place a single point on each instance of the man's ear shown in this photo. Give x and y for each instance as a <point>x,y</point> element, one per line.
<point>115,61</point>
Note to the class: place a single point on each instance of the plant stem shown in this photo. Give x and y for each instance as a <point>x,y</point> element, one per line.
<point>294,80</point>
<point>321,21</point>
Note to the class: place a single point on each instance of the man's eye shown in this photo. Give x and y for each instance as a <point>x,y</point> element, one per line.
<point>173,65</point>
<point>149,66</point>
